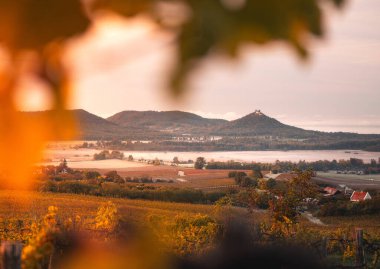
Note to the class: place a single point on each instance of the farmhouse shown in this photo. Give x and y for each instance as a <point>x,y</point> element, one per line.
<point>280,176</point>
<point>330,191</point>
<point>358,196</point>
<point>286,176</point>
<point>181,173</point>
<point>345,189</point>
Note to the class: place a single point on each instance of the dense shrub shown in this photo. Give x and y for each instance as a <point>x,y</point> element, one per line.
<point>111,189</point>
<point>242,179</point>
<point>239,176</point>
<point>261,200</point>
<point>232,174</point>
<point>271,183</point>
<point>69,187</point>
<point>67,176</point>
<point>248,182</point>
<point>348,208</point>
<point>200,163</point>
<point>106,155</point>
<point>113,176</point>
<point>91,174</point>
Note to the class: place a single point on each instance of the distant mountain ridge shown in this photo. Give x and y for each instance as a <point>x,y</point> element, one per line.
<point>172,125</point>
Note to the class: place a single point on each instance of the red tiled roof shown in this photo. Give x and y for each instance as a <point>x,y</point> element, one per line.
<point>330,190</point>
<point>286,177</point>
<point>358,196</point>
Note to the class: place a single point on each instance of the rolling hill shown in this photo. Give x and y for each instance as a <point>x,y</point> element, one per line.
<point>258,124</point>
<point>174,122</point>
<point>92,127</point>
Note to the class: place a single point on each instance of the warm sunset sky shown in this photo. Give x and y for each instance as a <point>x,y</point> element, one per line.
<point>339,89</point>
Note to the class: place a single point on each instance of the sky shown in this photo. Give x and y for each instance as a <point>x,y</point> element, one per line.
<point>123,65</point>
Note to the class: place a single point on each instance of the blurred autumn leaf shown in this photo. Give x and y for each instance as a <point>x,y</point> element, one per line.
<point>31,24</point>
<point>225,25</point>
<point>42,27</point>
<point>37,25</point>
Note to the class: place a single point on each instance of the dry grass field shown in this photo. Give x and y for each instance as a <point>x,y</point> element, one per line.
<point>193,178</point>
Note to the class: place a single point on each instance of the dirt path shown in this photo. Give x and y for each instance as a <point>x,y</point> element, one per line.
<point>313,219</point>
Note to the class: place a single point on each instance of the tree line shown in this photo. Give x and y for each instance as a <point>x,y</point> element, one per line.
<point>353,164</point>
<point>243,144</point>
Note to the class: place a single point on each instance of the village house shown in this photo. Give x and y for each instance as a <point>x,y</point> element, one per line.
<point>286,176</point>
<point>345,189</point>
<point>330,191</point>
<point>359,196</point>
<point>279,176</point>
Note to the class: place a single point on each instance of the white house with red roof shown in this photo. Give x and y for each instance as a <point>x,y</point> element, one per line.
<point>359,196</point>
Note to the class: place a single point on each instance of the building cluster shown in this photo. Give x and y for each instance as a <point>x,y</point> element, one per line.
<point>355,196</point>
<point>196,139</point>
<point>278,176</point>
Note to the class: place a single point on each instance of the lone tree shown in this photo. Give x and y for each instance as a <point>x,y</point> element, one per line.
<point>239,176</point>
<point>113,176</point>
<point>200,163</point>
<point>288,203</point>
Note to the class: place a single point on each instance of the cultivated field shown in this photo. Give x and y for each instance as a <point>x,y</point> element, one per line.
<point>193,178</point>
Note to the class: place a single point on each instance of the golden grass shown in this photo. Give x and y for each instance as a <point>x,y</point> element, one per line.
<point>33,205</point>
